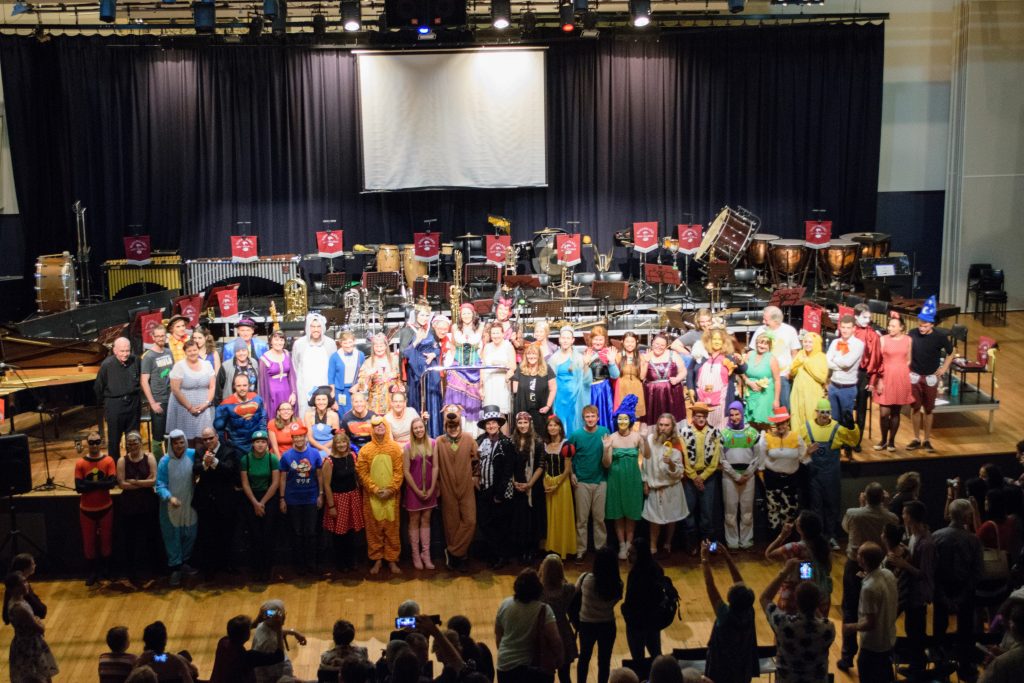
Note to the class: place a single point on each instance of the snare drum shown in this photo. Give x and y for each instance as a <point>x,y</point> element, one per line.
<point>388,260</point>
<point>728,236</point>
<point>55,283</point>
<point>788,257</point>
<point>757,252</point>
<point>872,244</point>
<point>838,258</point>
<point>447,249</point>
<point>411,267</point>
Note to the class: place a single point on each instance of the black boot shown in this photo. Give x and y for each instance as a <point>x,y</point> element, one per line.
<point>93,573</point>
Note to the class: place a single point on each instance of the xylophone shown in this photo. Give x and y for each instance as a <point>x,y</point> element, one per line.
<point>204,272</point>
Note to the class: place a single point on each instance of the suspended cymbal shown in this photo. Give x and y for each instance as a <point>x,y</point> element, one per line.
<point>746,322</point>
<point>468,236</point>
<point>666,309</point>
<point>548,231</point>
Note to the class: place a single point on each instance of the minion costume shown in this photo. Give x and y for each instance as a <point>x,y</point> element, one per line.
<point>379,468</point>
<point>825,443</point>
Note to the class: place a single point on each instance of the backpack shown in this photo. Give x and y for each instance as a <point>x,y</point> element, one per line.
<point>576,604</point>
<point>667,609</point>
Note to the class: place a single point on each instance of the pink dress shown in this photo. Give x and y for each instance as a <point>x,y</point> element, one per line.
<point>895,372</point>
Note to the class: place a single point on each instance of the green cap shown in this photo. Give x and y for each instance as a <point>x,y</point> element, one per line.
<point>260,434</point>
<point>823,405</point>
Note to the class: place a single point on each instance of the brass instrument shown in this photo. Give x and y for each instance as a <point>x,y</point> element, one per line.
<point>511,257</point>
<point>455,290</point>
<point>296,300</point>
<point>275,318</point>
<point>602,262</point>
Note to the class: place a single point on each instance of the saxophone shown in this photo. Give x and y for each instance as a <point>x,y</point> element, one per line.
<point>296,300</point>
<point>455,291</point>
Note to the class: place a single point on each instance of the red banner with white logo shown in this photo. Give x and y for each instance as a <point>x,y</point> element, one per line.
<point>690,237</point>
<point>497,246</point>
<point>426,246</point>
<point>137,250</point>
<point>818,233</point>
<point>845,310</point>
<point>190,307</point>
<point>330,243</point>
<point>227,302</point>
<point>645,237</point>
<point>243,248</point>
<point>569,251</point>
<point>147,321</point>
<point>812,318</point>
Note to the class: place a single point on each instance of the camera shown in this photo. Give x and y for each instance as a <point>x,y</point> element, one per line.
<point>405,622</point>
<point>272,612</point>
<point>806,571</point>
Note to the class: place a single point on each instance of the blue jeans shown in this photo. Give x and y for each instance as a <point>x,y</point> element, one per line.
<point>703,503</point>
<point>823,487</point>
<point>843,400</point>
<point>784,388</point>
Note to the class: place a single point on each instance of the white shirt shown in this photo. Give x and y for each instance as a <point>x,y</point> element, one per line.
<point>787,340</point>
<point>844,366</point>
<point>878,596</point>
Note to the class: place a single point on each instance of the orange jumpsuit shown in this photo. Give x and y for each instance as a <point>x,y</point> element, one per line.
<point>382,517</point>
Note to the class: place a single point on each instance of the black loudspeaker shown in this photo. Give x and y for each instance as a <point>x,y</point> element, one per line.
<point>432,13</point>
<point>15,469</point>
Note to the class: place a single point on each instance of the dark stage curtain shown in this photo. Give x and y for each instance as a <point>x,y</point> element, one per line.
<point>187,141</point>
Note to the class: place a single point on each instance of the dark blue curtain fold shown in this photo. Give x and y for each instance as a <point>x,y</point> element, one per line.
<point>187,141</point>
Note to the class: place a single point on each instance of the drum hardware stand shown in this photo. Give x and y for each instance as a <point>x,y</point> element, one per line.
<point>82,254</point>
<point>428,223</point>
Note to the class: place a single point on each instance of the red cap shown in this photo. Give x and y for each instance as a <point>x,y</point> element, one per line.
<point>298,428</point>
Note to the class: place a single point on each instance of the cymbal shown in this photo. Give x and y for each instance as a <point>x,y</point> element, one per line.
<point>547,231</point>
<point>746,322</point>
<point>468,236</point>
<point>666,309</point>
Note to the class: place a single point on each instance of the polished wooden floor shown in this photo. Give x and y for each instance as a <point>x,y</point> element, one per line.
<point>196,616</point>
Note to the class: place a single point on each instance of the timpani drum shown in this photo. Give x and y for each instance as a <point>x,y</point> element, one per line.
<point>757,252</point>
<point>55,283</point>
<point>788,257</point>
<point>388,260</point>
<point>872,244</point>
<point>839,258</point>
<point>412,268</point>
<point>728,237</point>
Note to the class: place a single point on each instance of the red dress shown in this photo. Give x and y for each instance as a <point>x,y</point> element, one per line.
<point>895,373</point>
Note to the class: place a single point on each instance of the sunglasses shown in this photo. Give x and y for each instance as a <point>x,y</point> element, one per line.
<point>94,443</point>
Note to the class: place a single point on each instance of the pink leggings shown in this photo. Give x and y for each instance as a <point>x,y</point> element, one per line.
<point>97,523</point>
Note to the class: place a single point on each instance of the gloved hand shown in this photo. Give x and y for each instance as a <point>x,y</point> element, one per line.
<point>847,420</point>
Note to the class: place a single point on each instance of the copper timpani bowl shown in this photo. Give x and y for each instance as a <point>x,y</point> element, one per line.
<point>839,258</point>
<point>757,251</point>
<point>788,257</point>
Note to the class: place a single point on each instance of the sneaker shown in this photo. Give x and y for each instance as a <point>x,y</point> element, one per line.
<point>844,664</point>
<point>623,551</point>
<point>176,578</point>
<point>579,558</point>
<point>891,448</point>
<point>928,446</point>
<point>879,447</point>
<point>913,445</point>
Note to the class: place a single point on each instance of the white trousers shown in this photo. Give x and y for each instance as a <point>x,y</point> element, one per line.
<point>739,496</point>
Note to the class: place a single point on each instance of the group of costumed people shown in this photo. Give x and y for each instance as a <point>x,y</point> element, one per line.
<point>504,430</point>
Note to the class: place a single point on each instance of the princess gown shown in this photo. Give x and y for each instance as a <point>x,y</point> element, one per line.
<point>433,401</point>
<point>463,386</point>
<point>572,392</point>
<point>630,383</point>
<point>662,396</point>
<point>277,382</point>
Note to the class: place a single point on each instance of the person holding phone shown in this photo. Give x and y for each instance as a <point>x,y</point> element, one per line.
<point>269,636</point>
<point>803,638</point>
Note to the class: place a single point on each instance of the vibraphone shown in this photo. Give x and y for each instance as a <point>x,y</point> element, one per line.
<point>207,271</point>
<point>163,271</point>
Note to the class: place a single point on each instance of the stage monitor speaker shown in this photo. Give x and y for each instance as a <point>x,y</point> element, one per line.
<point>432,13</point>
<point>15,468</point>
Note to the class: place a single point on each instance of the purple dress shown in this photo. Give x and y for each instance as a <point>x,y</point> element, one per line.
<point>421,469</point>
<point>277,382</point>
<point>659,394</point>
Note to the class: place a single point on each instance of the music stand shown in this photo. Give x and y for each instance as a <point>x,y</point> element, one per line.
<point>523,281</point>
<point>553,309</point>
<point>388,281</point>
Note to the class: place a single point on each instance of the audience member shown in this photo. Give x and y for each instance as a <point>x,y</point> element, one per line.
<point>623,675</point>
<point>812,547</point>
<point>558,593</point>
<point>643,595</point>
<point>522,622</point>
<point>732,649</point>
<point>1007,667</point>
<point>30,656</point>
<point>115,666</point>
<point>876,616</point>
<point>478,652</point>
<point>600,591</point>
<point>25,564</point>
<point>919,570</point>
<point>167,666</point>
<point>143,674</point>
<point>802,638</point>
<point>908,487</point>
<point>232,663</point>
<point>958,564</point>
<point>268,637</point>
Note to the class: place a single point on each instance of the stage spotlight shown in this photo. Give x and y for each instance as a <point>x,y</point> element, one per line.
<point>270,8</point>
<point>205,16</point>
<point>108,10</point>
<point>319,24</point>
<point>640,11</point>
<point>501,13</point>
<point>736,6</point>
<point>589,25</point>
<point>528,23</point>
<point>22,7</point>
<point>351,17</point>
<point>423,30</point>
<point>566,16</point>
<point>279,26</point>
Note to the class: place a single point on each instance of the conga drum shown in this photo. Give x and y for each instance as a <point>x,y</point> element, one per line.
<point>388,260</point>
<point>410,266</point>
<point>55,283</point>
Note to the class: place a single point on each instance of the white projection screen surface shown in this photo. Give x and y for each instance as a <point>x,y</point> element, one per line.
<point>460,119</point>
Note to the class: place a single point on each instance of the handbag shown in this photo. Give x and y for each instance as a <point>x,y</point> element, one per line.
<point>576,604</point>
<point>545,657</point>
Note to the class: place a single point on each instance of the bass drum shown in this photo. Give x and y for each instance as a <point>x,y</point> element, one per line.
<point>388,260</point>
<point>728,237</point>
<point>55,283</point>
<point>545,253</point>
<point>411,267</point>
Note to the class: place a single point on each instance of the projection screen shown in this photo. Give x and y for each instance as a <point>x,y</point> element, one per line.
<point>452,119</point>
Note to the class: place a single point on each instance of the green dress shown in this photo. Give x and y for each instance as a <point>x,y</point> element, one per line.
<point>759,403</point>
<point>625,496</point>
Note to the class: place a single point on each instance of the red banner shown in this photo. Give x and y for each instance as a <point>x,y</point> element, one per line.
<point>818,233</point>
<point>227,302</point>
<point>497,245</point>
<point>244,248</point>
<point>330,243</point>
<point>147,321</point>
<point>137,250</point>
<point>569,251</point>
<point>3,409</point>
<point>190,307</point>
<point>645,237</point>
<point>845,310</point>
<point>427,246</point>
<point>690,237</point>
<point>812,318</point>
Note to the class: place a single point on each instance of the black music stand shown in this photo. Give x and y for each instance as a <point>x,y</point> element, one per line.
<point>388,281</point>
<point>554,309</point>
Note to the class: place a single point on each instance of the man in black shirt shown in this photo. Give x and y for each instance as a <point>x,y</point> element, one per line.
<point>927,348</point>
<point>356,422</point>
<point>117,389</point>
<point>216,500</point>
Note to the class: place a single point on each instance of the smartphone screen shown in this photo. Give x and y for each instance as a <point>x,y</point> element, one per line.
<point>405,622</point>
<point>806,572</point>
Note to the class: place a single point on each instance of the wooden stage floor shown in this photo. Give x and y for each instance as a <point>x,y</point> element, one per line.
<point>955,434</point>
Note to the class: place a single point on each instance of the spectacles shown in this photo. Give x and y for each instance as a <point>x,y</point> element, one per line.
<point>97,442</point>
<point>208,438</point>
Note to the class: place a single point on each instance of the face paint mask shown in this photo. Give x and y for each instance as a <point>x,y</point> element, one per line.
<point>864,319</point>
<point>622,421</point>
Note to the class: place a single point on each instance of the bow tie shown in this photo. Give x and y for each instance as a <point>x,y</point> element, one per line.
<point>843,346</point>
